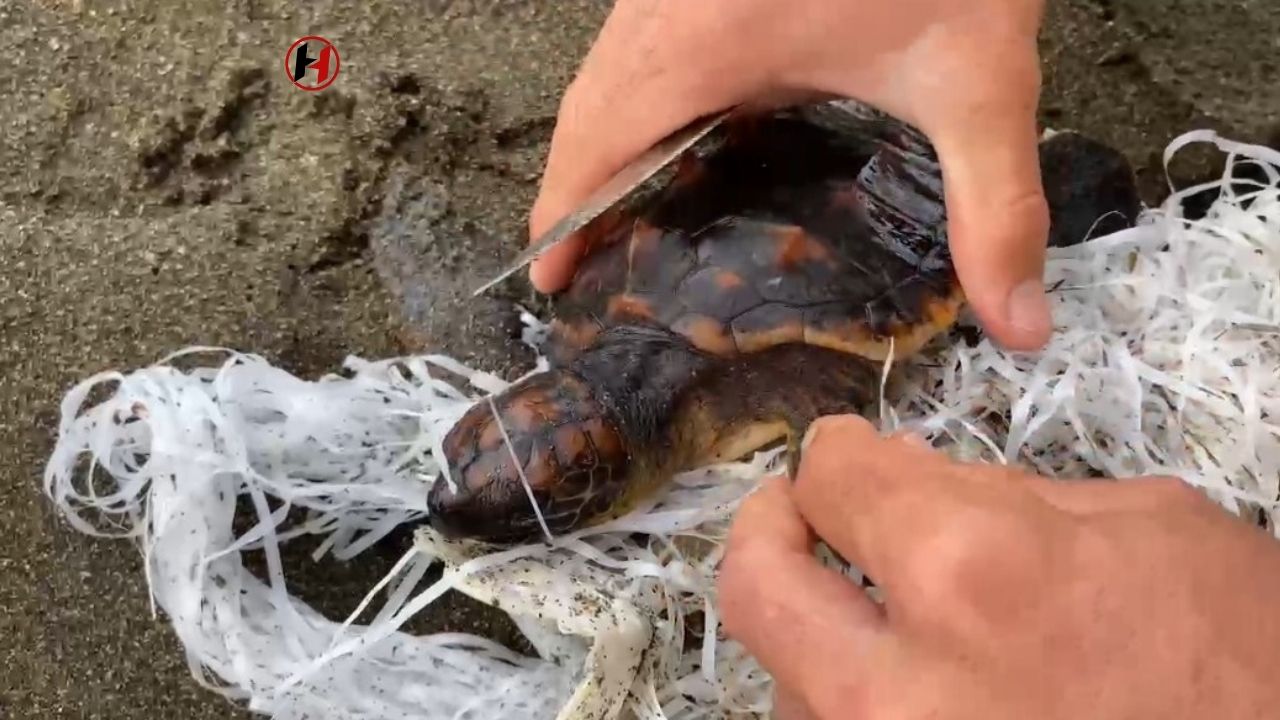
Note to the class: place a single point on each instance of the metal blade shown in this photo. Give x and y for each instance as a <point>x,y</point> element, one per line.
<point>618,187</point>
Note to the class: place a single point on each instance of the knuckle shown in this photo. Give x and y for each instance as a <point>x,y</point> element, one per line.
<point>959,561</point>
<point>832,698</point>
<point>1031,208</point>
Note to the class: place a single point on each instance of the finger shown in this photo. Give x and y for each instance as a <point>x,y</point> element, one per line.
<point>552,270</point>
<point>987,143</point>
<point>935,535</point>
<point>623,102</point>
<point>878,501</point>
<point>912,437</point>
<point>795,616</point>
<point>1105,495</point>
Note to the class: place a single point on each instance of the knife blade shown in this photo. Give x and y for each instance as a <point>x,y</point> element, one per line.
<point>613,191</point>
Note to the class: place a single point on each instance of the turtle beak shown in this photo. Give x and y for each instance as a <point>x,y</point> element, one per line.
<point>442,503</point>
<point>464,515</point>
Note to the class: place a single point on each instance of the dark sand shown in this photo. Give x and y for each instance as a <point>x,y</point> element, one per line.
<point>164,185</point>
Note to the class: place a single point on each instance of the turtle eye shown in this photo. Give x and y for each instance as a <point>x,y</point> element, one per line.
<point>548,461</point>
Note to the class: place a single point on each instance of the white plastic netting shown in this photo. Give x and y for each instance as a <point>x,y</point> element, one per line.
<point>1164,361</point>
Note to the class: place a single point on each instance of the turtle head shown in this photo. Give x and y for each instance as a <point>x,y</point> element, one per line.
<point>544,451</point>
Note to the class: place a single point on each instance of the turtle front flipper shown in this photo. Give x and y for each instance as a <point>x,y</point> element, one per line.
<point>795,438</point>
<point>772,396</point>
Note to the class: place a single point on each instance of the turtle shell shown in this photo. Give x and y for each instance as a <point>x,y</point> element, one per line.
<point>793,230</point>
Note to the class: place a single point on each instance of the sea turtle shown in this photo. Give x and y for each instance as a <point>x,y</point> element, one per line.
<point>762,288</point>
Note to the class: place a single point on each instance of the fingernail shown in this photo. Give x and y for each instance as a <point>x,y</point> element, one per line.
<point>1028,308</point>
<point>809,435</point>
<point>812,433</point>
<point>537,275</point>
<point>915,438</point>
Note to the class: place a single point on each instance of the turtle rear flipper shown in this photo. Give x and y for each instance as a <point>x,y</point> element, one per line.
<point>1089,186</point>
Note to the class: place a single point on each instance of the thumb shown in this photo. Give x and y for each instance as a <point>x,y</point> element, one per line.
<point>998,218</point>
<point>597,133</point>
<point>812,628</point>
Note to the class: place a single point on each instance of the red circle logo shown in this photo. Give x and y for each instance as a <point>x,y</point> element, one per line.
<point>311,63</point>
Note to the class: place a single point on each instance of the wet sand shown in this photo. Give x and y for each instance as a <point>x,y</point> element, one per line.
<point>165,185</point>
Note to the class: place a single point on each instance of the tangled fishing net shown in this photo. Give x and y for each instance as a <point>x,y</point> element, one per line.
<point>1164,361</point>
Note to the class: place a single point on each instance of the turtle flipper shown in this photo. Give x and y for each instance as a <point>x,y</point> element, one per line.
<point>1089,186</point>
<point>794,440</point>
<point>771,397</point>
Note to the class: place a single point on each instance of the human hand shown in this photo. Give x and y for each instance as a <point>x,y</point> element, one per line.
<point>965,73</point>
<point>1008,595</point>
